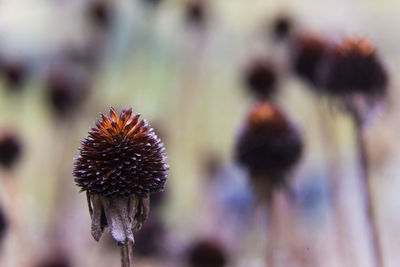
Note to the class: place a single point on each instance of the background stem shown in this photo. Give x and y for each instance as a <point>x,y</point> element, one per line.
<point>367,192</point>
<point>272,230</point>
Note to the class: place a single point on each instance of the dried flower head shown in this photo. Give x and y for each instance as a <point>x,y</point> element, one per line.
<point>354,68</point>
<point>206,253</point>
<point>309,52</point>
<point>260,78</point>
<point>10,150</point>
<point>120,163</point>
<point>268,145</point>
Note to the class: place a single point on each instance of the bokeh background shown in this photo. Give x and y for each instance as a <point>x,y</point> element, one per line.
<point>182,69</point>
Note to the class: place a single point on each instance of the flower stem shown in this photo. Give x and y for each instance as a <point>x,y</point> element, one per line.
<point>127,254</point>
<point>367,192</point>
<point>272,237</point>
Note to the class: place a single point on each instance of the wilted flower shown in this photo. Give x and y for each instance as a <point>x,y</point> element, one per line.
<point>120,163</point>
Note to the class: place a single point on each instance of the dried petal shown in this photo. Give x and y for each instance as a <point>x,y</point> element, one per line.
<point>124,215</point>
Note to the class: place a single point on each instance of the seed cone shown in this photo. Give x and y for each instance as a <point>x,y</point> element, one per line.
<point>120,163</point>
<point>268,146</point>
<point>122,156</point>
<point>354,67</point>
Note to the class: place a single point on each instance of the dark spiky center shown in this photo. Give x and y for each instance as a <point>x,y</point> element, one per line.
<point>122,156</point>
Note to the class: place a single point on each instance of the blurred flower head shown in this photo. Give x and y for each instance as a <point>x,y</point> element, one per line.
<point>308,54</point>
<point>195,12</point>
<point>206,253</point>
<point>100,14</point>
<point>149,241</point>
<point>268,144</point>
<point>3,224</point>
<point>55,259</point>
<point>354,68</point>
<point>260,78</point>
<point>10,149</point>
<point>282,27</point>
<point>67,88</point>
<point>15,73</point>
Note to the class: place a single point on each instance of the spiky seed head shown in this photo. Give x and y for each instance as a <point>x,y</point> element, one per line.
<point>354,67</point>
<point>122,156</point>
<point>268,144</point>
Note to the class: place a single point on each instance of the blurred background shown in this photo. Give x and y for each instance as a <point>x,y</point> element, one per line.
<point>182,65</point>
